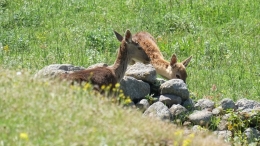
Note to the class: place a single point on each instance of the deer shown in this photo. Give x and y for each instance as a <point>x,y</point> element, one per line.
<point>111,75</point>
<point>168,70</point>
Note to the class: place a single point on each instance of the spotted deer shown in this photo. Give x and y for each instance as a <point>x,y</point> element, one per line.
<point>168,70</point>
<point>113,74</point>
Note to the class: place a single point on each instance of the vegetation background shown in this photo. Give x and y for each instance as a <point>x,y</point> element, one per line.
<point>222,36</point>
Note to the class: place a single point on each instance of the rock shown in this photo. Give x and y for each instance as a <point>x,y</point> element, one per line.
<point>178,110</point>
<point>54,70</point>
<point>227,104</point>
<point>202,118</point>
<point>225,134</point>
<point>244,103</point>
<point>158,110</point>
<point>140,71</point>
<point>189,104</point>
<point>143,104</point>
<point>223,124</point>
<point>252,134</point>
<point>251,115</point>
<point>98,65</point>
<point>217,111</point>
<point>175,87</point>
<point>155,87</point>
<point>205,104</point>
<point>169,100</point>
<point>135,89</point>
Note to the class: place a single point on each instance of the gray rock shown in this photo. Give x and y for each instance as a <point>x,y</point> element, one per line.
<point>252,134</point>
<point>202,118</point>
<point>225,134</point>
<point>135,89</point>
<point>55,70</point>
<point>158,110</point>
<point>227,103</point>
<point>98,65</point>
<point>140,71</point>
<point>217,111</point>
<point>223,124</point>
<point>244,104</point>
<point>143,104</point>
<point>169,100</point>
<point>175,87</point>
<point>251,115</point>
<point>205,104</point>
<point>189,104</point>
<point>178,110</point>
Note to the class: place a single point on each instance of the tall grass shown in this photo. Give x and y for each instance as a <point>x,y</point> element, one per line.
<point>50,113</point>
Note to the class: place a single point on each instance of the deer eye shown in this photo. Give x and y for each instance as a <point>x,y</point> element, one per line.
<point>177,76</point>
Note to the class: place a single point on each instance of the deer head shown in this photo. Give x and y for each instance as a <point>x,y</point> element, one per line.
<point>179,69</point>
<point>134,50</point>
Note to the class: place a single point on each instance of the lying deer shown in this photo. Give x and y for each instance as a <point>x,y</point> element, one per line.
<point>168,70</point>
<point>112,74</point>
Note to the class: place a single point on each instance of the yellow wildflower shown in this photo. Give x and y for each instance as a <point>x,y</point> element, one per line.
<point>117,85</point>
<point>24,136</point>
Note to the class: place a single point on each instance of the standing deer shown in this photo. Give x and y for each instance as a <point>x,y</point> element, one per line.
<point>168,70</point>
<point>113,74</point>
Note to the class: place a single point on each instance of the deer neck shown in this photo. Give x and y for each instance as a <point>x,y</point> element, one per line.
<point>163,68</point>
<point>122,60</point>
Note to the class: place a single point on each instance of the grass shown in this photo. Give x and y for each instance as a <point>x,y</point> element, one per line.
<point>222,36</point>
<point>49,113</point>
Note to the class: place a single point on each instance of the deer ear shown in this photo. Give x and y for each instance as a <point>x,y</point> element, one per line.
<point>128,36</point>
<point>186,61</point>
<point>118,36</point>
<point>173,60</point>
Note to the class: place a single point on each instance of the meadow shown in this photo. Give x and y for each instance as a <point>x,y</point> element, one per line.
<point>222,36</point>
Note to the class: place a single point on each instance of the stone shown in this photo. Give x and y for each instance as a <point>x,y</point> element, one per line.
<point>252,134</point>
<point>143,104</point>
<point>228,104</point>
<point>169,100</point>
<point>140,71</point>
<point>243,104</point>
<point>204,104</point>
<point>178,110</point>
<point>189,104</point>
<point>223,124</point>
<point>202,118</point>
<point>54,70</point>
<point>158,110</point>
<point>175,87</point>
<point>135,89</point>
<point>217,111</point>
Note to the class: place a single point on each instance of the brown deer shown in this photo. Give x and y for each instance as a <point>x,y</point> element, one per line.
<point>112,74</point>
<point>168,70</point>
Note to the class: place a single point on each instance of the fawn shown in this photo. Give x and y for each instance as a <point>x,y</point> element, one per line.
<point>113,74</point>
<point>168,70</point>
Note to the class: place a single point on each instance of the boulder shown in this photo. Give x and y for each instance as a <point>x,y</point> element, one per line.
<point>202,118</point>
<point>158,110</point>
<point>169,99</point>
<point>135,89</point>
<point>175,87</point>
<point>140,71</point>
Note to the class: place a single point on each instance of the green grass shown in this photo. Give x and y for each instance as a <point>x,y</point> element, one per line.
<point>222,36</point>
